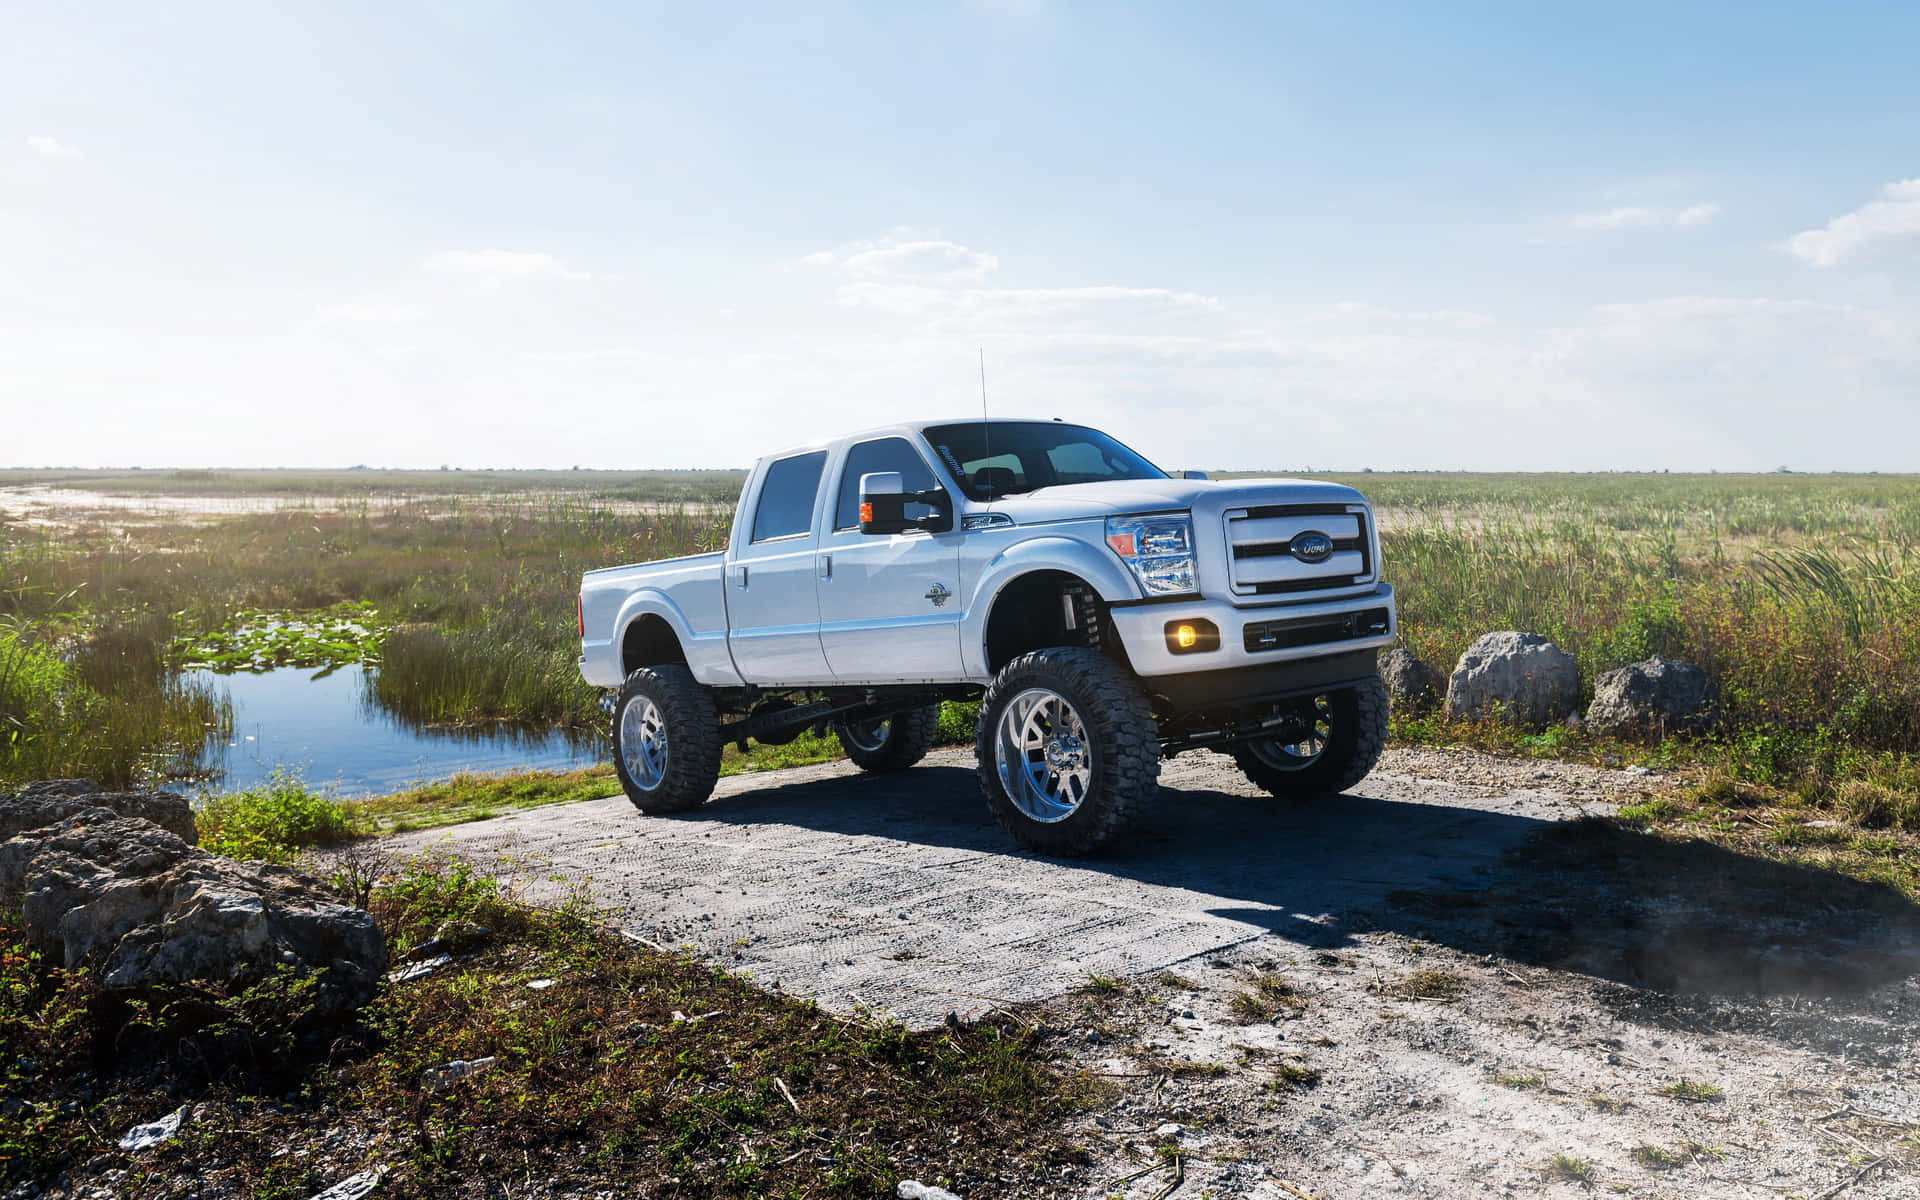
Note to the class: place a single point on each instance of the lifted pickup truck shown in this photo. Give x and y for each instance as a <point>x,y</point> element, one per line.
<point>1106,615</point>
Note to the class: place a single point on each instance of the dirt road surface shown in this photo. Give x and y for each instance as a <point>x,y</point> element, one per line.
<point>1442,984</point>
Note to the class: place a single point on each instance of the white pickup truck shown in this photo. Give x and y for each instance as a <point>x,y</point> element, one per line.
<point>1106,614</point>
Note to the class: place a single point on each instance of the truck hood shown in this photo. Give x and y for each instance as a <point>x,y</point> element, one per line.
<point>1077,501</point>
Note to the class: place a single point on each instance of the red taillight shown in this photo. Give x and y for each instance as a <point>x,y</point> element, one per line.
<point>580,615</point>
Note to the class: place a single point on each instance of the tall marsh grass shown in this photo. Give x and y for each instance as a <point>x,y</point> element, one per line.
<point>91,715</point>
<point>480,587</point>
<point>1800,595</point>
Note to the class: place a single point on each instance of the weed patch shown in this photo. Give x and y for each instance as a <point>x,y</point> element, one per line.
<point>1693,1092</point>
<point>1653,1158</point>
<point>633,1068</point>
<point>1426,984</point>
<point>276,821</point>
<point>1266,997</point>
<point>1568,1169</point>
<point>1293,1074</point>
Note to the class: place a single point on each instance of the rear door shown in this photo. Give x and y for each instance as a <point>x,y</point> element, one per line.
<point>773,612</point>
<point>889,604</point>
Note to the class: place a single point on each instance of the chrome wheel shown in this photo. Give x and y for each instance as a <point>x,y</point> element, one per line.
<point>1043,755</point>
<point>870,736</point>
<point>643,743</point>
<point>1309,735</point>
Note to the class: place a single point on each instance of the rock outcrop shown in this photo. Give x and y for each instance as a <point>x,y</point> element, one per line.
<point>139,906</point>
<point>1656,696</point>
<point>50,800</point>
<point>1412,685</point>
<point>1519,677</point>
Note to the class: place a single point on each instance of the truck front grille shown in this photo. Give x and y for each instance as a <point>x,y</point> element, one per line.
<point>1263,557</point>
<point>1316,631</point>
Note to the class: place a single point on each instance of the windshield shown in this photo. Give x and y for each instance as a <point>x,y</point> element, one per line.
<point>1004,458</point>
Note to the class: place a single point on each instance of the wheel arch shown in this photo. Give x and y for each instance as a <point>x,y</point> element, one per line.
<point>652,632</point>
<point>1067,561</point>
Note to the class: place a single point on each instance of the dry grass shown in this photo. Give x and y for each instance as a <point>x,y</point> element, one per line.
<point>1429,983</point>
<point>1265,997</point>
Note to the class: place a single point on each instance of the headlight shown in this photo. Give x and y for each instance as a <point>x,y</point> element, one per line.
<point>1159,549</point>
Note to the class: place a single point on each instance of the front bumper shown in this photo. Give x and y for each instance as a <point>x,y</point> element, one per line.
<point>1254,637</point>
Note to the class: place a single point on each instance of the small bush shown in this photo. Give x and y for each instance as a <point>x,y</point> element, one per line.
<point>275,821</point>
<point>957,722</point>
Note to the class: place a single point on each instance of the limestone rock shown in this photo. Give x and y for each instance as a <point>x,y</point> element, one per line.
<point>139,906</point>
<point>49,801</point>
<point>1412,685</point>
<point>1656,696</point>
<point>1519,677</point>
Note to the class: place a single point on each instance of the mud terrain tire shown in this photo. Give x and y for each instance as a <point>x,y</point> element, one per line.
<point>666,740</point>
<point>1068,750</point>
<point>892,743</point>
<point>1356,720</point>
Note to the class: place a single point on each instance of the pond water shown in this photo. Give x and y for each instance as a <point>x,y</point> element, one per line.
<point>327,730</point>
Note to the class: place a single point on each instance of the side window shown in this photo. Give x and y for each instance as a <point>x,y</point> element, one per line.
<point>786,498</point>
<point>882,454</point>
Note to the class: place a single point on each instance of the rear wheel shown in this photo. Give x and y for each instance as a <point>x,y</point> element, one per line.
<point>891,743</point>
<point>1324,744</point>
<point>1068,749</point>
<point>666,739</point>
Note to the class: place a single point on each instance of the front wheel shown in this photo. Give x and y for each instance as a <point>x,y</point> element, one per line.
<point>1068,749</point>
<point>666,739</point>
<point>1325,743</point>
<point>891,743</point>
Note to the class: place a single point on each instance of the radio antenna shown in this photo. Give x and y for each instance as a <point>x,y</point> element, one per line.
<point>986,430</point>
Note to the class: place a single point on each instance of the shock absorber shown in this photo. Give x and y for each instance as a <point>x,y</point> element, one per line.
<point>1080,610</point>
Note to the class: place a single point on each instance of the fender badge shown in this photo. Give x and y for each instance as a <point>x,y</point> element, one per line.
<point>938,594</point>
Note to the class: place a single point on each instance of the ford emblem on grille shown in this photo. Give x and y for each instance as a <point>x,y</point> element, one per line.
<point>1311,547</point>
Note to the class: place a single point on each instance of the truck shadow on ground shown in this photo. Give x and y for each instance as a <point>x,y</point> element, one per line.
<point>1588,896</point>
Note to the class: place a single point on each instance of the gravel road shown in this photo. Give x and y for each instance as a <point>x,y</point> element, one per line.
<point>1456,987</point>
<point>899,893</point>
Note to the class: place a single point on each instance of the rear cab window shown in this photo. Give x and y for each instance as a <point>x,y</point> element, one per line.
<point>785,507</point>
<point>881,454</point>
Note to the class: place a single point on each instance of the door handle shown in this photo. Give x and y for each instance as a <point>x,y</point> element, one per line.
<point>743,578</point>
<point>826,566</point>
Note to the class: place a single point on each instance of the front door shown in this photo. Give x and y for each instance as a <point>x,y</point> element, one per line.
<point>773,613</point>
<point>889,612</point>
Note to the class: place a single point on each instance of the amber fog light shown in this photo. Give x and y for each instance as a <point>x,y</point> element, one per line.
<point>1193,636</point>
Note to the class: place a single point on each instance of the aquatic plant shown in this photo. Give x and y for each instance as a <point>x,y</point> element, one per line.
<point>344,634</point>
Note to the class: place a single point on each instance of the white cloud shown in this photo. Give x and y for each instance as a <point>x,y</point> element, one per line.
<point>1895,214</point>
<point>51,148</point>
<point>987,308</point>
<point>928,261</point>
<point>1613,219</point>
<point>938,281</point>
<point>503,264</point>
<point>373,313</point>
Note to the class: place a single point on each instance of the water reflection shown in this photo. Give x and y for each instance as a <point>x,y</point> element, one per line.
<point>324,727</point>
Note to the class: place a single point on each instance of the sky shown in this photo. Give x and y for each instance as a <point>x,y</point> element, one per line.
<point>1463,236</point>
